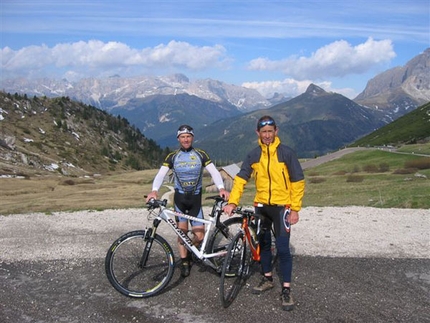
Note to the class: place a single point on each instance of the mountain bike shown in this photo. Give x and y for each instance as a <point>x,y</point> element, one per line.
<point>141,263</point>
<point>243,251</point>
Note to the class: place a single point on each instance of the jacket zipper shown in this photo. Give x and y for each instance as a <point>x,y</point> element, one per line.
<point>268,175</point>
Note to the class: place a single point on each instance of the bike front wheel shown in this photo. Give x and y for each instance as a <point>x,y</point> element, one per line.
<point>222,237</point>
<point>235,269</point>
<point>138,266</point>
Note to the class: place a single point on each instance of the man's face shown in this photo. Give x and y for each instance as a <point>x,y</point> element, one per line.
<point>267,134</point>
<point>186,140</point>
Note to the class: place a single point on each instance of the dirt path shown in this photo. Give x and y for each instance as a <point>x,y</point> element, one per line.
<point>326,158</point>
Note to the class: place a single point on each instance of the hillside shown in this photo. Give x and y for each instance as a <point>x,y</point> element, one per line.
<point>409,129</point>
<point>159,116</point>
<point>43,135</point>
<point>60,136</point>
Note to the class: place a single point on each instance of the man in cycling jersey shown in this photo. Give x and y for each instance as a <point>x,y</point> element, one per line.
<point>187,164</point>
<point>280,185</point>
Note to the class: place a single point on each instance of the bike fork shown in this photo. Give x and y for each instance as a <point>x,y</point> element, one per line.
<point>149,238</point>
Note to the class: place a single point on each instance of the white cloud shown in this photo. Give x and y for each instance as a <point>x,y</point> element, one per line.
<point>334,60</point>
<point>25,58</point>
<point>288,87</point>
<point>96,58</point>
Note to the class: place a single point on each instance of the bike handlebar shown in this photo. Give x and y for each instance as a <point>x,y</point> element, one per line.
<point>241,211</point>
<point>217,198</point>
<point>153,203</point>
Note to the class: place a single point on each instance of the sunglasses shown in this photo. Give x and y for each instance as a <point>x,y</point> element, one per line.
<point>185,130</point>
<point>263,123</point>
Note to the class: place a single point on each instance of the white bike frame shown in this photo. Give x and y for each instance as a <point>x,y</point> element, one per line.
<point>168,216</point>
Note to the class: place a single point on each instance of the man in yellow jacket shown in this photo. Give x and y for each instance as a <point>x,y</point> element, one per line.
<point>280,187</point>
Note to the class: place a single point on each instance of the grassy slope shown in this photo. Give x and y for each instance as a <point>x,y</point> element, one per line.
<point>327,185</point>
<point>346,182</point>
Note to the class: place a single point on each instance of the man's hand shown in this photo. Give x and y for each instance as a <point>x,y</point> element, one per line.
<point>224,194</point>
<point>152,195</point>
<point>293,218</point>
<point>229,208</point>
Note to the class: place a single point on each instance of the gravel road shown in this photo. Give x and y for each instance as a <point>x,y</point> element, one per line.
<point>352,264</point>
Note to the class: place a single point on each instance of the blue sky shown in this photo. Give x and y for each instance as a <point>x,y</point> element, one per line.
<point>272,46</point>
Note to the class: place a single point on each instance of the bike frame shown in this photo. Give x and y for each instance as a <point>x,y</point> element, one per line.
<point>168,216</point>
<point>253,244</point>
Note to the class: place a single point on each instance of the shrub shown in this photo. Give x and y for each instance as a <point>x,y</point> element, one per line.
<point>371,168</point>
<point>356,169</point>
<point>68,182</point>
<point>313,174</point>
<point>422,163</point>
<point>316,180</point>
<point>384,167</point>
<point>354,179</point>
<point>402,171</point>
<point>340,172</point>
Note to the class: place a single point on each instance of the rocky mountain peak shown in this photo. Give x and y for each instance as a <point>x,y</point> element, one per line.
<point>400,87</point>
<point>113,92</point>
<point>315,90</point>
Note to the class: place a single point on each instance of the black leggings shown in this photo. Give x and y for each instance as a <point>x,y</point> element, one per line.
<point>275,215</point>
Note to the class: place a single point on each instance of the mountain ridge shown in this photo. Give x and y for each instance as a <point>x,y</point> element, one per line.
<point>396,90</point>
<point>314,122</point>
<point>116,92</point>
<point>400,89</point>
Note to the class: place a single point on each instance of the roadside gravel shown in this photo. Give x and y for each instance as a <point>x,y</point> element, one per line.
<point>352,264</point>
<point>326,231</point>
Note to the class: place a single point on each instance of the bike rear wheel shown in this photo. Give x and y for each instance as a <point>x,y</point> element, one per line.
<point>138,268</point>
<point>235,269</point>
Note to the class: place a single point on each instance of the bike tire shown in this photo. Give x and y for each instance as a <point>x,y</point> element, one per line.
<point>125,272</point>
<point>222,237</point>
<point>236,261</point>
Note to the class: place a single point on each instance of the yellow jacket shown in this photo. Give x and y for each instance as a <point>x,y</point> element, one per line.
<point>278,176</point>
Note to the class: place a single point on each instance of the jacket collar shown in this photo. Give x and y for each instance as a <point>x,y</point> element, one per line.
<point>272,147</point>
<point>186,150</point>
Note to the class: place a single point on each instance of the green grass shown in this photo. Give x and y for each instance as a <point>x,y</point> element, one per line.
<point>377,189</point>
<point>416,149</point>
<point>341,182</point>
<point>345,181</point>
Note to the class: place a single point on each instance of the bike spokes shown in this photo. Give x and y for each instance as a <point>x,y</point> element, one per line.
<point>235,270</point>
